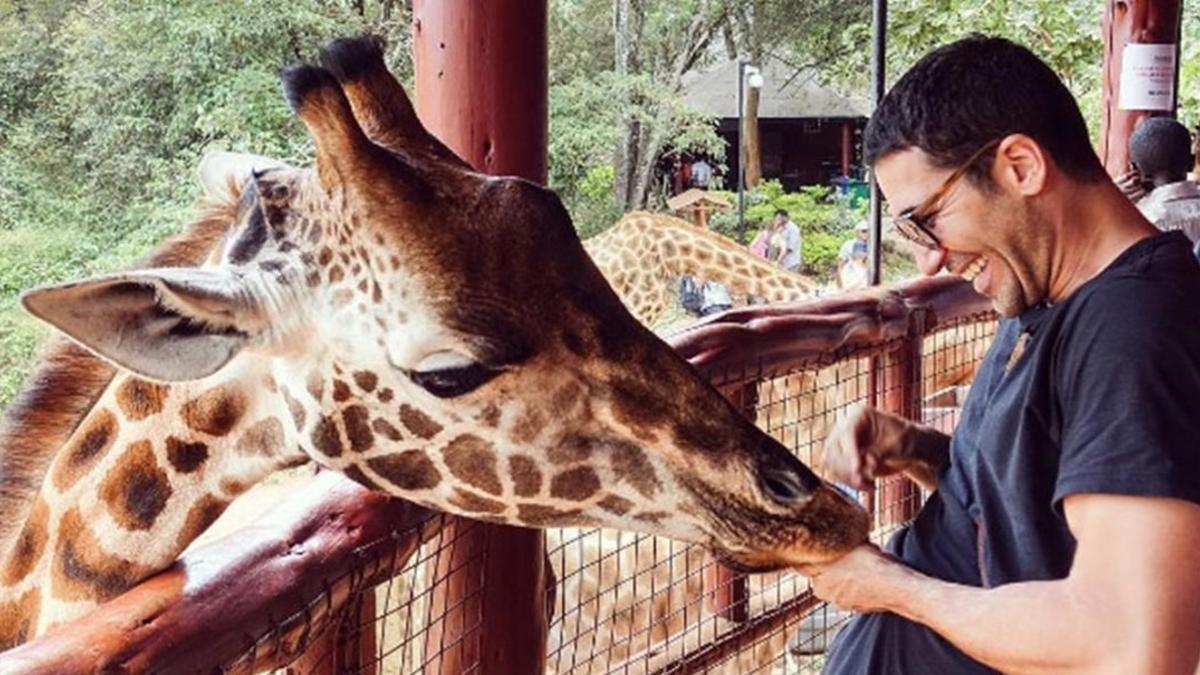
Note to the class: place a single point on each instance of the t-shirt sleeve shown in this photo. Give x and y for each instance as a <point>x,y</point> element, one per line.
<point>1129,387</point>
<point>847,250</point>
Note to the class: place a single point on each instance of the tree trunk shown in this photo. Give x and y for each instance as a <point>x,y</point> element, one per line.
<point>753,158</point>
<point>628,19</point>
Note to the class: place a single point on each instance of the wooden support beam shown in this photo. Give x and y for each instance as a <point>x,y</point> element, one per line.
<point>481,87</point>
<point>1129,22</point>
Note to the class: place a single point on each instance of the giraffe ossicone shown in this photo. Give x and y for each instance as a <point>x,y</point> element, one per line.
<point>431,332</point>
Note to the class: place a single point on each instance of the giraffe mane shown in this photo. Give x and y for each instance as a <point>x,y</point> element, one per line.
<point>69,379</point>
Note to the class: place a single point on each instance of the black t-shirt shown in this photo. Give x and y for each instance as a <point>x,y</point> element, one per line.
<point>1100,396</point>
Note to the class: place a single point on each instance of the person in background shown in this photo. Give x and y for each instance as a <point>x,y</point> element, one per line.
<point>1160,150</point>
<point>701,174</point>
<point>788,251</point>
<point>762,240</point>
<point>852,259</point>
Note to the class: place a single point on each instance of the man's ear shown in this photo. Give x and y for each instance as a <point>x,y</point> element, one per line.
<point>168,324</point>
<point>1022,164</point>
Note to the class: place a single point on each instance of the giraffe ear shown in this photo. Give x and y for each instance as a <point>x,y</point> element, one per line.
<point>168,324</point>
<point>222,174</point>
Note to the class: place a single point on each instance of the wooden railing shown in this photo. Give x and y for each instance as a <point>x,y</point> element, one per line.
<point>259,598</point>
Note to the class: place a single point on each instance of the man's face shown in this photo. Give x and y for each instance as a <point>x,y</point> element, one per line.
<point>991,238</point>
<point>862,235</point>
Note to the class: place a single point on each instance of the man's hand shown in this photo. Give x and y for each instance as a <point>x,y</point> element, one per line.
<point>861,581</point>
<point>867,444</point>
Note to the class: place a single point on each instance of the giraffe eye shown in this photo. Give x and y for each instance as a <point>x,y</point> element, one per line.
<point>454,381</point>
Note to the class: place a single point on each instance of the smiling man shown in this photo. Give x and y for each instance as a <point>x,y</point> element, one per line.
<point>1063,531</point>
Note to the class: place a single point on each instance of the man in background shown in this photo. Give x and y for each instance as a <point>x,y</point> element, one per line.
<point>1160,150</point>
<point>789,251</point>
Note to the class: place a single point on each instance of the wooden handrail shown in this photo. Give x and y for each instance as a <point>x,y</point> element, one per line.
<point>751,341</point>
<point>284,576</point>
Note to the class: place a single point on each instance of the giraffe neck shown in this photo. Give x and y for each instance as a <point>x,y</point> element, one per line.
<point>145,472</point>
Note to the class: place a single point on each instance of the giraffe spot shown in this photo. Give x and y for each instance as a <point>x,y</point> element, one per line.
<point>336,274</point>
<point>616,505</point>
<point>358,430</point>
<point>233,487</point>
<point>315,385</point>
<point>655,517</point>
<point>376,292</point>
<point>384,428</point>
<point>27,550</point>
<point>629,464</point>
<point>528,425</point>
<point>489,416</point>
<point>136,489</point>
<point>82,570</point>
<point>140,399</point>
<point>215,412</point>
<point>270,384</point>
<point>342,297</point>
<point>203,513</point>
<point>395,261</point>
<point>539,515</point>
<point>408,470</point>
<point>526,476</point>
<point>473,503</point>
<point>312,279</point>
<point>366,380</point>
<point>418,422</point>
<point>18,618</point>
<point>362,284</point>
<point>186,457</point>
<point>341,391</point>
<point>325,256</point>
<point>473,461</point>
<point>571,449</point>
<point>575,484</point>
<point>295,408</point>
<point>85,448</point>
<point>385,395</point>
<point>668,248</point>
<point>265,437</point>
<point>356,474</point>
<point>325,437</point>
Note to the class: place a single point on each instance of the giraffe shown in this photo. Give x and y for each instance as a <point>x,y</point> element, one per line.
<point>430,332</point>
<point>644,253</point>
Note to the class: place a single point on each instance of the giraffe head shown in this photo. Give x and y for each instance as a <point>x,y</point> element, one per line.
<point>441,335</point>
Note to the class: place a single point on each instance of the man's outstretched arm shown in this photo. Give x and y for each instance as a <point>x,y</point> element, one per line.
<point>1131,603</point>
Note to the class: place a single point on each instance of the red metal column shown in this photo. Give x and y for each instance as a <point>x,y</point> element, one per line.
<point>1130,22</point>
<point>481,87</point>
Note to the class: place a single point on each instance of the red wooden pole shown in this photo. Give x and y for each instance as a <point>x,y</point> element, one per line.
<point>1132,22</point>
<point>481,87</point>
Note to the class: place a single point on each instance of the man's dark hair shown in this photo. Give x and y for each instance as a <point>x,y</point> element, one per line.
<point>966,94</point>
<point>1161,149</point>
<point>782,212</point>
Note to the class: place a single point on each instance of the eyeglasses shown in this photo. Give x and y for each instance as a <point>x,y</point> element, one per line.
<point>912,223</point>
